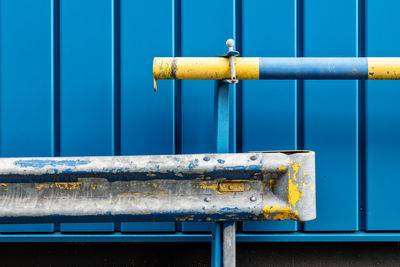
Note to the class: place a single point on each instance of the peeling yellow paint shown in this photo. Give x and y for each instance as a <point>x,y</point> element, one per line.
<point>281,213</point>
<point>209,185</point>
<point>248,188</point>
<point>269,209</point>
<point>160,192</point>
<point>203,68</point>
<point>294,194</point>
<point>295,168</point>
<point>96,186</point>
<point>4,186</point>
<point>69,186</point>
<point>383,68</point>
<point>272,183</point>
<point>62,186</point>
<point>282,169</point>
<point>286,216</point>
<point>39,187</point>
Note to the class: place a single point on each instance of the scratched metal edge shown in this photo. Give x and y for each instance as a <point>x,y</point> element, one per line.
<point>179,237</point>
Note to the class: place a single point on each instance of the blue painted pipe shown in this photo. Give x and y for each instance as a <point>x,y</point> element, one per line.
<point>314,68</point>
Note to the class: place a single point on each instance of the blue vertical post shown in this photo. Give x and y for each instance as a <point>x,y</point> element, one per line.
<point>222,115</point>
<point>222,120</point>
<point>216,245</point>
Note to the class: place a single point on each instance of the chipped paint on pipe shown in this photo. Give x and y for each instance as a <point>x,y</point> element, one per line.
<point>383,68</point>
<point>217,68</point>
<point>204,68</point>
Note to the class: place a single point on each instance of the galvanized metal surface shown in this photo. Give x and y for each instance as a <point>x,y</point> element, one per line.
<point>200,187</point>
<point>142,167</point>
<point>229,246</point>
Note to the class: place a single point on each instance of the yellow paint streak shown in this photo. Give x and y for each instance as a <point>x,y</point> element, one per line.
<point>204,68</point>
<point>40,187</point>
<point>384,68</point>
<point>68,186</point>
<point>96,186</point>
<point>270,209</point>
<point>248,188</point>
<point>62,186</point>
<point>162,69</point>
<point>209,185</point>
<point>286,216</point>
<point>272,183</point>
<point>294,194</point>
<point>282,169</point>
<point>281,213</point>
<point>4,186</point>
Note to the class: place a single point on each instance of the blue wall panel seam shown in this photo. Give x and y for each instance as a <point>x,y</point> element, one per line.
<point>176,86</point>
<point>299,96</point>
<point>238,17</point>
<point>55,83</point>
<point>55,78</point>
<point>361,145</point>
<point>177,91</point>
<point>116,78</point>
<point>1,71</point>
<point>116,81</point>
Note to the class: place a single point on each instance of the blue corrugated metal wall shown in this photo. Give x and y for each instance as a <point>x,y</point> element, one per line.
<point>76,79</point>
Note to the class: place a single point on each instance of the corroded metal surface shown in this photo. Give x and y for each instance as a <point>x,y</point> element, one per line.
<point>199,187</point>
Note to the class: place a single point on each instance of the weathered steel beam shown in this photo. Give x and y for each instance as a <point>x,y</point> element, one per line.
<point>199,187</point>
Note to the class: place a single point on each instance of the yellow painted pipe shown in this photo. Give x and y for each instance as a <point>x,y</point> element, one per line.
<point>204,68</point>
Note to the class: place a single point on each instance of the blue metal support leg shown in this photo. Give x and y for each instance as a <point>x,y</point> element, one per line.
<point>222,116</point>
<point>222,120</point>
<point>216,245</point>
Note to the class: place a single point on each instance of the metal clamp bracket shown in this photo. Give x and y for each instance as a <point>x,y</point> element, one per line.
<point>231,54</point>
